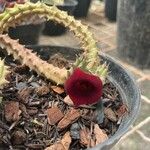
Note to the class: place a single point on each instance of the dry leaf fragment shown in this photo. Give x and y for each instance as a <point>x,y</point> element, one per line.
<point>12,111</point>
<point>19,137</point>
<point>85,136</point>
<point>92,143</point>
<point>99,135</point>
<point>56,146</point>
<point>71,116</point>
<point>58,89</point>
<point>68,101</point>
<point>109,113</point>
<point>54,115</point>
<point>42,90</point>
<point>66,141</point>
<point>24,94</point>
<point>64,144</point>
<point>122,110</point>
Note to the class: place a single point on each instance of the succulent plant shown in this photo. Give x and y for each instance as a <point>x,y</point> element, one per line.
<point>88,62</point>
<point>30,59</point>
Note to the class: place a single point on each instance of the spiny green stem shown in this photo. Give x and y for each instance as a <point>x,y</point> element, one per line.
<point>3,72</point>
<point>32,61</point>
<point>13,16</point>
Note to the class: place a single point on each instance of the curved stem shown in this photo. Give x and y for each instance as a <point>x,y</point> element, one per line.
<point>13,16</point>
<point>26,56</point>
<point>3,72</point>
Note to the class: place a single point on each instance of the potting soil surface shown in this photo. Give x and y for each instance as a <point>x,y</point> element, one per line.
<point>37,114</point>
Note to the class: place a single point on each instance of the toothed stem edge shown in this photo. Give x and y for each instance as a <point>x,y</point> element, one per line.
<point>3,72</point>
<point>13,16</point>
<point>30,59</point>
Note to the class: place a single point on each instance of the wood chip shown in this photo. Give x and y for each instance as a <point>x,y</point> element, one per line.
<point>92,143</point>
<point>66,141</point>
<point>19,137</point>
<point>70,117</point>
<point>54,115</point>
<point>23,95</point>
<point>57,146</point>
<point>42,90</point>
<point>85,137</point>
<point>122,110</point>
<point>109,113</point>
<point>68,101</point>
<point>99,135</point>
<point>12,111</point>
<point>57,89</point>
<point>64,144</point>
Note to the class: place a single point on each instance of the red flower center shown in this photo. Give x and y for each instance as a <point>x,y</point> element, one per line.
<point>83,88</point>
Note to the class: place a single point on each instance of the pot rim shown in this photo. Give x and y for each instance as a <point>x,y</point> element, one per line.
<point>115,138</point>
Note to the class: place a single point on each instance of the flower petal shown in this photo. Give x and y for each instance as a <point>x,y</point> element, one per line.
<point>83,88</point>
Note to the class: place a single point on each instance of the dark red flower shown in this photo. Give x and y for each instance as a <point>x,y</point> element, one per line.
<point>83,88</point>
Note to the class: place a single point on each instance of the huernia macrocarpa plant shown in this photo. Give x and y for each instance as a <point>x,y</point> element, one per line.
<point>84,81</point>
